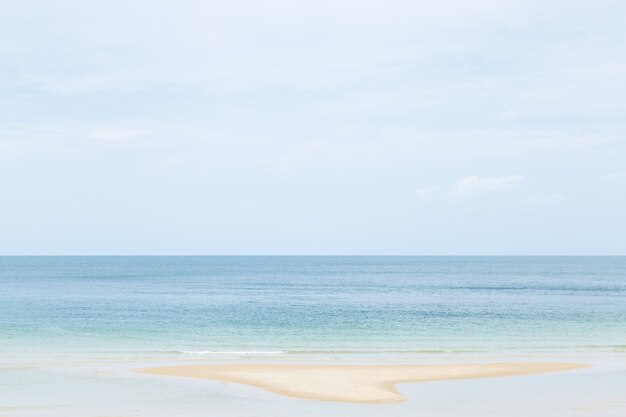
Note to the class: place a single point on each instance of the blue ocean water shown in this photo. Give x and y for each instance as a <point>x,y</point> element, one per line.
<point>311,305</point>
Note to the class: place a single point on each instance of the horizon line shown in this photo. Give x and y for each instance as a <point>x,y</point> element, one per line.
<point>306,255</point>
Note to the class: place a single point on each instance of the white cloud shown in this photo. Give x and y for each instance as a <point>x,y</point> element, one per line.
<point>469,186</point>
<point>98,83</point>
<point>545,198</point>
<point>613,177</point>
<point>476,185</point>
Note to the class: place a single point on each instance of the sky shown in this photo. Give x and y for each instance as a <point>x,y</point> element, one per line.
<point>397,127</point>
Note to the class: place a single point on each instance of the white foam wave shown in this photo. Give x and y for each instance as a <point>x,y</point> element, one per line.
<point>234,353</point>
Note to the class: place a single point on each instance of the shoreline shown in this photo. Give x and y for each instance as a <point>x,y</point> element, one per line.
<point>374,384</point>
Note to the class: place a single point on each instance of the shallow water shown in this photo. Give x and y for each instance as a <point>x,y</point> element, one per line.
<point>273,305</point>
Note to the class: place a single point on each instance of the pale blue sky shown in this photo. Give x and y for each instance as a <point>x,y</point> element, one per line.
<point>312,127</point>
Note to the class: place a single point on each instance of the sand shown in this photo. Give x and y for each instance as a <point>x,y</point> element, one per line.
<point>351,383</point>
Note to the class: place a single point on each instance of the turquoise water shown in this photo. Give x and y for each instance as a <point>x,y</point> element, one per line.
<point>268,306</point>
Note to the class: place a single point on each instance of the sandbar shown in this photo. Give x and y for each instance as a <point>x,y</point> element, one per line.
<point>351,383</point>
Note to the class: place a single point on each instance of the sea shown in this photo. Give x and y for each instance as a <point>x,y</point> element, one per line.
<point>74,328</point>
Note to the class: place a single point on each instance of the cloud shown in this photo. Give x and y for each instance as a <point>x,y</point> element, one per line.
<point>476,185</point>
<point>468,187</point>
<point>614,177</point>
<point>544,198</point>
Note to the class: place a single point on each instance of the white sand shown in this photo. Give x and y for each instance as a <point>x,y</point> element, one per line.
<point>351,383</point>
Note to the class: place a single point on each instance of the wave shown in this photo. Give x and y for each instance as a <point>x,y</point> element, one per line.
<point>321,351</point>
<point>234,352</point>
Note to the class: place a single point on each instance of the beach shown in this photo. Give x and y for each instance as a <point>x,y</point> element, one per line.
<point>351,383</point>
<point>258,208</point>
